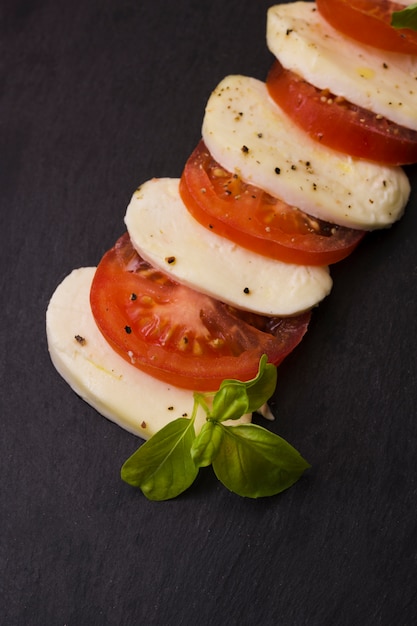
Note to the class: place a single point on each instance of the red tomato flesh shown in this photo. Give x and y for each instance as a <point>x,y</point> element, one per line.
<point>178,335</point>
<point>252,218</point>
<point>339,124</point>
<point>369,22</point>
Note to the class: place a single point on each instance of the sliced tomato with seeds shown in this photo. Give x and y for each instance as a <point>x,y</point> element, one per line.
<point>178,335</point>
<point>339,124</point>
<point>369,22</point>
<point>252,218</point>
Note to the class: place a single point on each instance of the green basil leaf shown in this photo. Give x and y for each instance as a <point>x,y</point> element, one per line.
<point>162,467</point>
<point>263,386</point>
<point>254,462</point>
<point>230,402</point>
<point>406,18</point>
<point>235,398</point>
<point>206,444</point>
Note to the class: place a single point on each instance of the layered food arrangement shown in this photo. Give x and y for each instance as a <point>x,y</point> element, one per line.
<point>226,263</point>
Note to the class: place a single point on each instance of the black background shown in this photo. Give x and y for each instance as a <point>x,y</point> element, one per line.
<point>97,97</point>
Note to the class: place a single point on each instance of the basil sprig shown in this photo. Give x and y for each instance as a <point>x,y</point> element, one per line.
<point>406,18</point>
<point>248,459</point>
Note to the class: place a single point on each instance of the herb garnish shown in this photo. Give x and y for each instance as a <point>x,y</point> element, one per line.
<point>406,18</point>
<point>248,459</point>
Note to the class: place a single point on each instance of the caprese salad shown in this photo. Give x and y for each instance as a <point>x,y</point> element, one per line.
<point>180,327</point>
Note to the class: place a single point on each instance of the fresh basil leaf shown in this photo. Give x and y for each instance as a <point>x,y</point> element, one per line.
<point>255,391</point>
<point>254,462</point>
<point>230,402</point>
<point>162,467</point>
<point>206,444</point>
<point>406,18</point>
<point>262,387</point>
<point>249,460</point>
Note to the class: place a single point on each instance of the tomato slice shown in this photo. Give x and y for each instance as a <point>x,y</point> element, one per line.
<point>252,218</point>
<point>339,124</point>
<point>178,335</point>
<point>369,22</point>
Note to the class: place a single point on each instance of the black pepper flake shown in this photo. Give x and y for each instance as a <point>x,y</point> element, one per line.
<point>184,415</point>
<point>170,260</point>
<point>133,296</point>
<point>170,408</point>
<point>246,290</point>
<point>277,170</point>
<point>143,425</point>
<point>288,31</point>
<point>80,339</point>
<point>245,149</point>
<point>128,329</point>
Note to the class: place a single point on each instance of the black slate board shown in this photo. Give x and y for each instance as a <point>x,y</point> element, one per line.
<point>97,97</point>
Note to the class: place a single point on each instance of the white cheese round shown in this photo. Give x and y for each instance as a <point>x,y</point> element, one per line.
<point>119,391</point>
<point>247,133</point>
<point>382,82</point>
<point>169,238</point>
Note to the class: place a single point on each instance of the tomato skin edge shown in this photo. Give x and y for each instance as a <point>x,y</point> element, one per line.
<point>264,247</point>
<point>199,381</point>
<point>360,134</point>
<point>369,24</point>
<point>300,249</point>
<point>110,301</point>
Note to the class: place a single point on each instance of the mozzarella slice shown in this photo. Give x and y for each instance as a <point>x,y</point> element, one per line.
<point>169,238</point>
<point>247,133</point>
<point>119,391</point>
<point>383,82</point>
